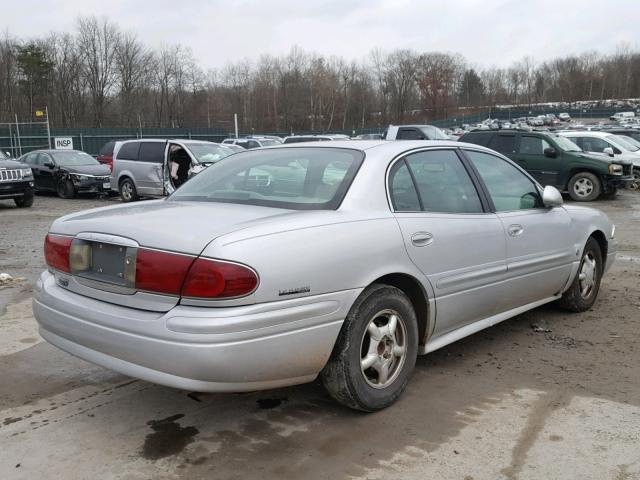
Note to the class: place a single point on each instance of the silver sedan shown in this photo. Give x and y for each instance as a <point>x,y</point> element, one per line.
<point>343,260</point>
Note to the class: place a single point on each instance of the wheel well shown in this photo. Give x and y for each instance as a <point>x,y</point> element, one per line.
<point>602,242</point>
<point>122,179</point>
<point>582,170</point>
<point>415,291</point>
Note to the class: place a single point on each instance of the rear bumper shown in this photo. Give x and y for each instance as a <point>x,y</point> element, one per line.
<point>219,349</point>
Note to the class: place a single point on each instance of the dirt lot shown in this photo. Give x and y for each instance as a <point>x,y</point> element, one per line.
<point>545,395</point>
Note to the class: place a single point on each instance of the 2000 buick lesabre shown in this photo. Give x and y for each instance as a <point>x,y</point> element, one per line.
<point>346,261</point>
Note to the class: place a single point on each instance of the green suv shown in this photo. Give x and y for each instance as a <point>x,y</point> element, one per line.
<point>557,161</point>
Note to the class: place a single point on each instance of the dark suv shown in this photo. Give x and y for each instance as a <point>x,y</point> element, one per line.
<point>555,160</point>
<point>16,181</point>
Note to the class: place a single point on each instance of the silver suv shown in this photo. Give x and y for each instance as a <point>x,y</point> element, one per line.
<point>141,168</point>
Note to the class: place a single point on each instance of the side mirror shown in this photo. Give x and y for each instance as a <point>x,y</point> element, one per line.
<point>551,197</point>
<point>49,164</point>
<point>550,152</point>
<point>608,151</point>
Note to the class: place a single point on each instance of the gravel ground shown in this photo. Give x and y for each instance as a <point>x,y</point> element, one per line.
<point>544,395</point>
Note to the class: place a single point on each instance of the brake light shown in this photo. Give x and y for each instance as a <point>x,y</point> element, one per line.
<point>161,272</point>
<point>217,280</point>
<point>56,252</point>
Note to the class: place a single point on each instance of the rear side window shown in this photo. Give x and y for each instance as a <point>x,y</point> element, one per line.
<point>409,134</point>
<point>129,151</point>
<point>107,149</point>
<point>503,143</point>
<point>252,144</point>
<point>476,138</point>
<point>404,196</point>
<point>443,184</point>
<point>152,152</point>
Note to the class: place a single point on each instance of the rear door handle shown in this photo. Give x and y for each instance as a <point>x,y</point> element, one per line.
<point>421,239</point>
<point>515,230</point>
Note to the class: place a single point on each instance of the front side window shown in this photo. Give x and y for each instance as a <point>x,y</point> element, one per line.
<point>532,145</point>
<point>510,189</point>
<point>441,184</point>
<point>292,178</point>
<point>152,152</point>
<point>593,144</point>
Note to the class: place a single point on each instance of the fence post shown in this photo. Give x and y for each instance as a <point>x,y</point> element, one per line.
<point>18,133</point>
<point>81,142</point>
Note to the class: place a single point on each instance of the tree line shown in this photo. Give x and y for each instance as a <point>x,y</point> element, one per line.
<point>101,76</point>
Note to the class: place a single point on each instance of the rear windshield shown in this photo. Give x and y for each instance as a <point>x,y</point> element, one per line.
<point>293,178</point>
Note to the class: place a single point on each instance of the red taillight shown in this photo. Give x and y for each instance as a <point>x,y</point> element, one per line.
<point>216,279</point>
<point>56,252</point>
<point>161,272</point>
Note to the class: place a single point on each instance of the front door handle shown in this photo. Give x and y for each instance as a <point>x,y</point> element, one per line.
<point>421,239</point>
<point>515,230</point>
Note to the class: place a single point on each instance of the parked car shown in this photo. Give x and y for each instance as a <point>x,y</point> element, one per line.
<point>564,117</point>
<point>67,172</point>
<point>141,167</point>
<point>369,136</point>
<point>627,132</point>
<point>414,132</point>
<point>615,146</point>
<point>16,181</point>
<point>268,275</point>
<point>275,138</point>
<point>105,155</point>
<point>554,160</point>
<point>313,138</point>
<point>234,147</point>
<point>250,142</point>
<point>622,115</point>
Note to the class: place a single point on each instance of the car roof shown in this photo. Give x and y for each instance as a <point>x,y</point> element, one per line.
<point>386,147</point>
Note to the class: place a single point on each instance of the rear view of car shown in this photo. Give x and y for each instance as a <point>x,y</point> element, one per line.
<point>105,156</point>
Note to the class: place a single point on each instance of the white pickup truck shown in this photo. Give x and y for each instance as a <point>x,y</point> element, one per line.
<point>415,132</point>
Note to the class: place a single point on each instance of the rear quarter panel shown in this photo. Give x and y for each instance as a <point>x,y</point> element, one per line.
<point>343,254</point>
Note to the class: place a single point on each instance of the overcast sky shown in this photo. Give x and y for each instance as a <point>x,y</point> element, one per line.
<point>486,32</point>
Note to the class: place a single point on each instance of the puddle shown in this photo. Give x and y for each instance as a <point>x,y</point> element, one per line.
<point>168,438</point>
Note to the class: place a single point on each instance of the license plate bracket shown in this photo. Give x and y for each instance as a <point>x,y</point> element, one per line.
<point>110,263</point>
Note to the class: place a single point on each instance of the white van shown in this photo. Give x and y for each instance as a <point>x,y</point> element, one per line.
<point>622,115</point>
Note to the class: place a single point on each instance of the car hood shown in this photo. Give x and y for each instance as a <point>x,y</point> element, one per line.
<point>12,164</point>
<point>101,170</point>
<point>621,159</point>
<point>185,227</point>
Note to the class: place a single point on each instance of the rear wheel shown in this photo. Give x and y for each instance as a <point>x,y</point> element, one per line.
<point>26,200</point>
<point>635,185</point>
<point>375,352</point>
<point>65,189</point>
<point>128,191</point>
<point>584,187</point>
<point>583,291</point>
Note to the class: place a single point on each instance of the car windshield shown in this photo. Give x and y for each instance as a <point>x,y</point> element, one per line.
<point>293,178</point>
<point>74,159</point>
<point>620,141</point>
<point>208,153</point>
<point>630,140</point>
<point>566,145</point>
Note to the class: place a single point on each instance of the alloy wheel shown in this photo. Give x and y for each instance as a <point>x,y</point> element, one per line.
<point>383,349</point>
<point>588,275</point>
<point>127,191</point>
<point>583,187</point>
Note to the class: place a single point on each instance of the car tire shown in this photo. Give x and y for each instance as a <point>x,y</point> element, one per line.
<point>26,200</point>
<point>635,185</point>
<point>128,192</point>
<point>585,187</point>
<point>374,354</point>
<point>65,189</point>
<point>583,291</point>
